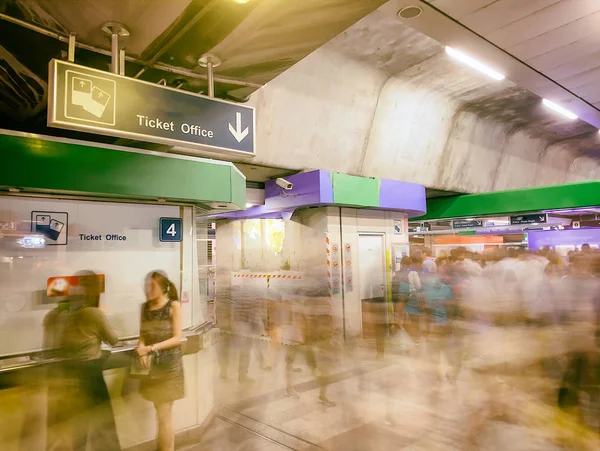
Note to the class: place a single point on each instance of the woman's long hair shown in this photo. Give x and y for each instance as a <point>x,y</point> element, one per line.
<point>167,287</point>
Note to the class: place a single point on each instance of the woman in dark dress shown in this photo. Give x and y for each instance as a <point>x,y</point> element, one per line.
<point>160,335</point>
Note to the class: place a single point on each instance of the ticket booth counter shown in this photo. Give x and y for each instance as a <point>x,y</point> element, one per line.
<point>66,207</point>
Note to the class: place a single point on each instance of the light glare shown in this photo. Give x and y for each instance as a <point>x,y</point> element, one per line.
<point>559,109</point>
<point>474,64</point>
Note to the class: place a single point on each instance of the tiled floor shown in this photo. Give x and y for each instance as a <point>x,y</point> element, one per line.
<point>395,404</point>
<point>227,437</point>
<point>380,437</point>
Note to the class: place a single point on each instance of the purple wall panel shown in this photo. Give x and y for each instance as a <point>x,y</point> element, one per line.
<point>326,187</point>
<point>538,239</point>
<point>396,195</point>
<point>306,191</point>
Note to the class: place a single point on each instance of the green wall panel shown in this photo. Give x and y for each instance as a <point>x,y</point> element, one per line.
<point>352,190</point>
<point>37,164</point>
<point>574,195</point>
<point>238,189</point>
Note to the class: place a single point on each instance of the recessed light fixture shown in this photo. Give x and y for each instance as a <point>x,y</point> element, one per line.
<point>469,61</point>
<point>410,12</point>
<point>241,1</point>
<point>553,106</point>
<point>249,205</point>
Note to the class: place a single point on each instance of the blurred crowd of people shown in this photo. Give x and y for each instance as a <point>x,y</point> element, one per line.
<point>300,319</point>
<point>507,320</point>
<point>514,318</point>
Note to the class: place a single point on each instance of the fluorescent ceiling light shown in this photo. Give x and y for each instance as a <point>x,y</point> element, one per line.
<point>559,109</point>
<point>474,64</point>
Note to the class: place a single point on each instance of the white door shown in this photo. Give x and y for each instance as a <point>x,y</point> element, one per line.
<point>371,267</point>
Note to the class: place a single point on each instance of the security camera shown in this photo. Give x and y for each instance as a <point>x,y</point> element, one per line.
<point>284,184</point>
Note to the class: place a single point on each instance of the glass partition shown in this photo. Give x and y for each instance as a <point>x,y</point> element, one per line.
<point>43,241</point>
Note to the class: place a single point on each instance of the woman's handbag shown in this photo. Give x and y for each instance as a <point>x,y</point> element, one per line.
<point>137,369</point>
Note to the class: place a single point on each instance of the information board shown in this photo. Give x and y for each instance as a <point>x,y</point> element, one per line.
<point>538,218</point>
<point>101,102</point>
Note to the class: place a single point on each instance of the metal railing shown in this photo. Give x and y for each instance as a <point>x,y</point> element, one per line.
<point>15,362</point>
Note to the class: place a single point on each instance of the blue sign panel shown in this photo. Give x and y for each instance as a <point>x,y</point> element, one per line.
<point>100,102</point>
<point>538,218</point>
<point>171,230</point>
<point>466,223</point>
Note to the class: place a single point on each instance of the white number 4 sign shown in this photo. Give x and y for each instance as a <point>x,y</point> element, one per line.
<point>170,229</point>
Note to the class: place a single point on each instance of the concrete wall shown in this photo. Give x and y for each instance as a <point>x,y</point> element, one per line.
<point>332,112</point>
<point>244,251</point>
<point>246,245</point>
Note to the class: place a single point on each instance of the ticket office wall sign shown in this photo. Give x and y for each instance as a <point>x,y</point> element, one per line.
<point>91,100</point>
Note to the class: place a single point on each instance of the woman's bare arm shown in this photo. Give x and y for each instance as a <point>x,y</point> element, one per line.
<point>175,340</point>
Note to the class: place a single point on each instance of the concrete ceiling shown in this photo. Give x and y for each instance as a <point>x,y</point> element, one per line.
<point>559,38</point>
<point>383,99</point>
<point>257,41</point>
<point>383,41</point>
<point>260,40</point>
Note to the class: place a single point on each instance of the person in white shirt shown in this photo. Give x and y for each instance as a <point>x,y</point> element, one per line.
<point>429,265</point>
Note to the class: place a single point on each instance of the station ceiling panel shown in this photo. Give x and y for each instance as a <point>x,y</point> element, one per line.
<point>556,37</point>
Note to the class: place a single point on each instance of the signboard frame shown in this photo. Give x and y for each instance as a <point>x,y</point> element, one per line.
<point>115,132</point>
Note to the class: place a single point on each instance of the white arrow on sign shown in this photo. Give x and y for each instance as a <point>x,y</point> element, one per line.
<point>237,131</point>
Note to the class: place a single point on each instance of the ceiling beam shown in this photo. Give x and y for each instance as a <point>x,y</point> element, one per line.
<point>147,64</point>
<point>503,203</point>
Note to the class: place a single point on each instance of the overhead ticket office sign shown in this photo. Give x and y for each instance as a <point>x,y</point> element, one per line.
<point>90,100</point>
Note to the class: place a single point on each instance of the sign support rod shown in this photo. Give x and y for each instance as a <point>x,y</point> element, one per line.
<point>211,79</point>
<point>121,62</point>
<point>115,30</point>
<point>210,62</point>
<point>72,42</point>
<point>114,50</point>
